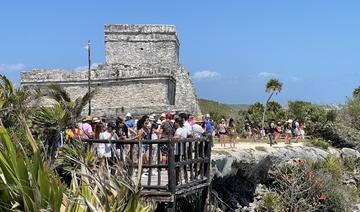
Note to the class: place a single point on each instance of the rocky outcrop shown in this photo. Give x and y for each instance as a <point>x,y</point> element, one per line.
<point>236,174</point>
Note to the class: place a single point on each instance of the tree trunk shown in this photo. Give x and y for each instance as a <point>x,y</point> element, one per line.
<point>265,108</point>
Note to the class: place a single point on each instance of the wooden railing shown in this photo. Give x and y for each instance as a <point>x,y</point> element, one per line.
<point>186,157</point>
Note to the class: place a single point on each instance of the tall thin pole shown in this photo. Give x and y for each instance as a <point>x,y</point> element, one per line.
<point>89,75</point>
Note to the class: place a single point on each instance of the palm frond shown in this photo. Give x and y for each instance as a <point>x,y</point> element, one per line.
<point>273,85</point>
<point>58,93</point>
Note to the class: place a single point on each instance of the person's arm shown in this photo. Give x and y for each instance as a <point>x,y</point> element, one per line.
<point>130,130</point>
<point>177,135</point>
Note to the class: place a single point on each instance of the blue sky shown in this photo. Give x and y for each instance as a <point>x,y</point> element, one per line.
<point>231,48</point>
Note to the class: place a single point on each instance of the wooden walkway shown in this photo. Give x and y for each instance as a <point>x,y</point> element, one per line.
<point>166,182</point>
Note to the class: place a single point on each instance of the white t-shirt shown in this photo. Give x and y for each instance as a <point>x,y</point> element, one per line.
<point>104,149</point>
<point>179,147</point>
<point>183,132</point>
<point>197,131</point>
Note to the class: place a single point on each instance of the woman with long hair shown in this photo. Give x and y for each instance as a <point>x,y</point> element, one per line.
<point>231,132</point>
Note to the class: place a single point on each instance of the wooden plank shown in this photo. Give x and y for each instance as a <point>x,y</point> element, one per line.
<point>192,184</point>
<point>187,191</point>
<point>154,187</point>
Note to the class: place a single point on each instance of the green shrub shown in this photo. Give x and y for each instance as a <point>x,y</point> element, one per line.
<point>261,148</point>
<point>349,163</point>
<point>270,202</point>
<point>320,143</point>
<point>332,165</point>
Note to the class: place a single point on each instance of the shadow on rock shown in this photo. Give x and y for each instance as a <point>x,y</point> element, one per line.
<point>238,189</point>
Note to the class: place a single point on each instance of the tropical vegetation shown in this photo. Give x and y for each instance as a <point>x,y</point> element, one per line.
<point>33,180</point>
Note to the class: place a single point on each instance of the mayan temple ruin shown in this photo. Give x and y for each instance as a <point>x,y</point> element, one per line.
<point>141,74</point>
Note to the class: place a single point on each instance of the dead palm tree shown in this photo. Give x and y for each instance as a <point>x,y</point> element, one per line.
<point>273,86</point>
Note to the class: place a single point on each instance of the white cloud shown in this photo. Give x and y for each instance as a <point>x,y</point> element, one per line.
<point>11,67</point>
<point>266,74</point>
<point>81,68</point>
<point>205,74</point>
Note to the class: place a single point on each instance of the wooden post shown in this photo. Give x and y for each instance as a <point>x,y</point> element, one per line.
<point>208,144</point>
<point>171,173</point>
<point>150,160</point>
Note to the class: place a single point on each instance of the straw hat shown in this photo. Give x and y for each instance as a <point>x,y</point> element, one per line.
<point>87,118</point>
<point>198,119</point>
<point>163,115</point>
<point>96,120</point>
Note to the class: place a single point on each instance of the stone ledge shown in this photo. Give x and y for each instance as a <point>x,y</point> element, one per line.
<point>140,28</point>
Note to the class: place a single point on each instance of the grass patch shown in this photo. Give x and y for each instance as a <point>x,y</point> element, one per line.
<point>261,148</point>
<point>319,143</point>
<point>220,152</point>
<point>349,163</point>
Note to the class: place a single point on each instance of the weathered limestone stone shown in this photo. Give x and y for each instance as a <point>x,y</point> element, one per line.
<point>141,74</point>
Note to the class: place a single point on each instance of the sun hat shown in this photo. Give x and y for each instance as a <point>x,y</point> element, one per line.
<point>198,119</point>
<point>289,121</point>
<point>128,115</point>
<point>87,118</point>
<point>151,118</point>
<point>163,115</point>
<point>95,120</point>
<point>207,116</point>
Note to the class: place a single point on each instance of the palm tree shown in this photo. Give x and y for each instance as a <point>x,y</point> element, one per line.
<point>65,112</point>
<point>273,86</point>
<point>356,92</point>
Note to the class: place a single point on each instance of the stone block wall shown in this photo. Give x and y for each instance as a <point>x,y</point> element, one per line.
<point>141,74</point>
<point>157,45</point>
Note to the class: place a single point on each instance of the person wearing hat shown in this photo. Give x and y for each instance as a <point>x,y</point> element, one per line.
<point>209,125</point>
<point>197,130</point>
<point>86,128</point>
<point>161,118</point>
<point>129,121</point>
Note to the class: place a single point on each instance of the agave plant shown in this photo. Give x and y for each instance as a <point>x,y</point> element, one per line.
<point>14,108</point>
<point>90,190</point>
<point>25,183</point>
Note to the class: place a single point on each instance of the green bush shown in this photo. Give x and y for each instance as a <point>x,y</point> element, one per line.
<point>320,143</point>
<point>270,202</point>
<point>261,148</point>
<point>318,186</point>
<point>349,163</point>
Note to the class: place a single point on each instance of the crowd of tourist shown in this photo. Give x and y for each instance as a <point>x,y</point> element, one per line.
<point>171,126</point>
<point>291,129</point>
<point>148,127</point>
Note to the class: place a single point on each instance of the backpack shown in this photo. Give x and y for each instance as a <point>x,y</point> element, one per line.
<point>168,128</point>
